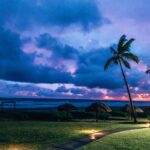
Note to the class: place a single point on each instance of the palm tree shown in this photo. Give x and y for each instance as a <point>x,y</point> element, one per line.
<point>97,108</point>
<point>148,71</point>
<point>67,108</point>
<point>121,55</point>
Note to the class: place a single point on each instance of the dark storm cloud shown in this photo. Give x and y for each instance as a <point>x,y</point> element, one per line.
<point>29,17</point>
<point>91,72</point>
<point>13,63</point>
<point>59,50</point>
<point>27,13</point>
<point>18,66</point>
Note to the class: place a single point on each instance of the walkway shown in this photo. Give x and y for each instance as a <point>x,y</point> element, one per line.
<point>77,143</point>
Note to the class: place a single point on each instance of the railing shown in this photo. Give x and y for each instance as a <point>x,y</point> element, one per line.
<point>3,104</point>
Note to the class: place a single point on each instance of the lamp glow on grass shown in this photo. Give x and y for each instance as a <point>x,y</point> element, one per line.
<point>134,139</point>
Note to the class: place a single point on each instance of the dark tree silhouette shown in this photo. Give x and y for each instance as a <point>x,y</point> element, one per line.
<point>97,108</point>
<point>67,108</point>
<point>121,55</point>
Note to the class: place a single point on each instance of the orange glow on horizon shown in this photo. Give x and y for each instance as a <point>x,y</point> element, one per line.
<point>137,97</point>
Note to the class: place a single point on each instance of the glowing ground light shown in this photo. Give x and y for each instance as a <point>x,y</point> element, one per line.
<point>92,137</point>
<point>96,135</point>
<point>148,125</point>
<point>17,147</point>
<point>13,148</point>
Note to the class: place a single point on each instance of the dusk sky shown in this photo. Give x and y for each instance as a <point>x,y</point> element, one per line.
<point>58,48</point>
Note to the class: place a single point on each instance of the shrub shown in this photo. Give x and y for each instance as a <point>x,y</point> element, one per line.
<point>38,116</point>
<point>82,115</point>
<point>142,115</point>
<point>104,115</point>
<point>117,113</point>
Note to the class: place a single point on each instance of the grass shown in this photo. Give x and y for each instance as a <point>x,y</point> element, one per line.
<point>127,140</point>
<point>30,135</point>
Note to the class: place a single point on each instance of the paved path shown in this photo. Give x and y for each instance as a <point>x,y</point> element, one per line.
<point>77,143</point>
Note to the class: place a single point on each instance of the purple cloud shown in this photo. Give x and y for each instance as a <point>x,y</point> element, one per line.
<point>50,42</point>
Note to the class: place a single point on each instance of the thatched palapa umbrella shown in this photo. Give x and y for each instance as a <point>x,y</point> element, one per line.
<point>66,107</point>
<point>127,108</point>
<point>97,108</point>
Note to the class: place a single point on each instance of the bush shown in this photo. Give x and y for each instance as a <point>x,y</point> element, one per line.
<point>118,113</point>
<point>147,111</point>
<point>61,115</point>
<point>142,115</point>
<point>104,116</point>
<point>37,116</point>
<point>7,116</point>
<point>82,115</point>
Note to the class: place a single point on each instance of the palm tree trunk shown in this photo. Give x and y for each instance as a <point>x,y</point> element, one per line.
<point>129,94</point>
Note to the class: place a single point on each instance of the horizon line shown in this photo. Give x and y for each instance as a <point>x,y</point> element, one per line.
<point>71,99</point>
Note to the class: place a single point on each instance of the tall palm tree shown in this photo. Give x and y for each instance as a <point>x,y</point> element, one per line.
<point>148,71</point>
<point>121,55</point>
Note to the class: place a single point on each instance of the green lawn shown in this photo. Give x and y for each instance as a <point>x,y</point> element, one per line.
<point>39,135</point>
<point>127,140</point>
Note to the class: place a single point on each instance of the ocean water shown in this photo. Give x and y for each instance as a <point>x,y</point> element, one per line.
<point>23,103</point>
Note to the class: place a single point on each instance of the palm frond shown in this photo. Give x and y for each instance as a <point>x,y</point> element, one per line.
<point>127,65</point>
<point>109,61</point>
<point>113,51</point>
<point>148,71</point>
<point>132,57</point>
<point>127,46</point>
<point>122,40</point>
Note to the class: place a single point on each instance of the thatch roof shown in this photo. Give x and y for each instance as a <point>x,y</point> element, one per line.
<point>66,106</point>
<point>98,107</point>
<point>139,110</point>
<point>127,108</point>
